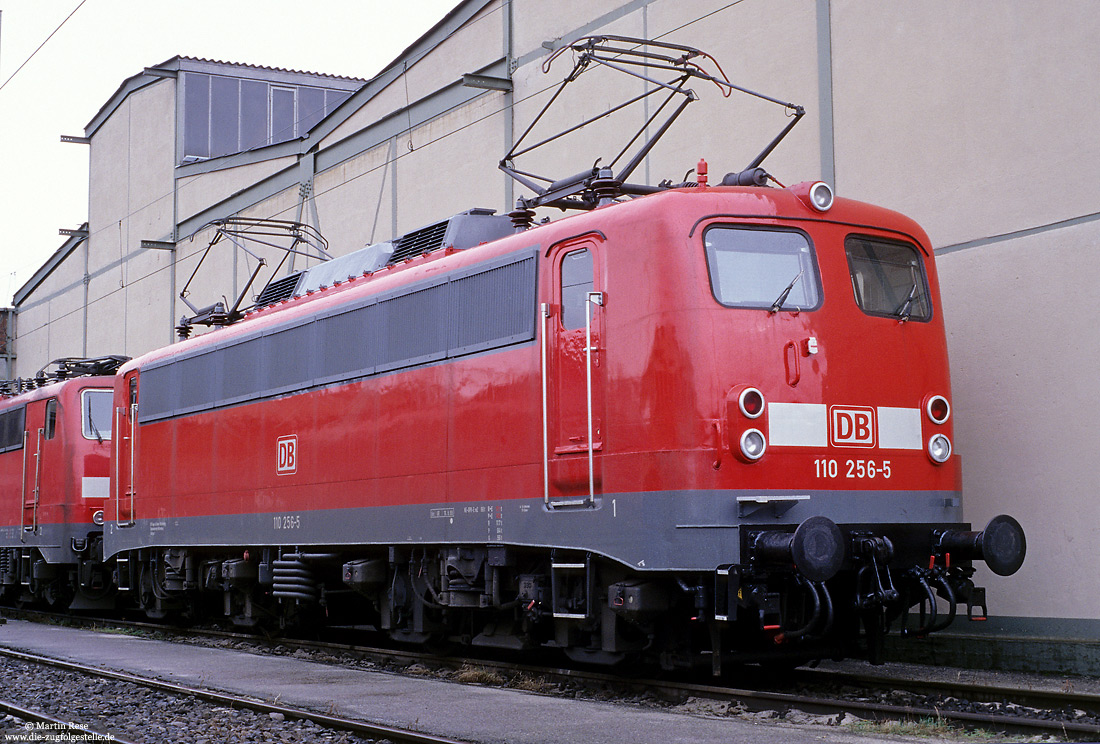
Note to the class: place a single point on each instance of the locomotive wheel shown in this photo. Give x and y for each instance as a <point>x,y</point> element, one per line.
<point>57,594</point>
<point>147,599</point>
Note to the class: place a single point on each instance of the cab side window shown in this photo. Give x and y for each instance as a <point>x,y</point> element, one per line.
<point>576,283</point>
<point>11,429</point>
<point>50,429</point>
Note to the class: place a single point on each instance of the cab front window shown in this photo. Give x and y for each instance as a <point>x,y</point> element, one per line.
<point>96,407</point>
<point>888,278</point>
<point>762,268</point>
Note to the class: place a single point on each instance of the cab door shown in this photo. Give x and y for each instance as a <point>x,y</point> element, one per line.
<point>124,439</point>
<point>40,426</point>
<point>576,370</point>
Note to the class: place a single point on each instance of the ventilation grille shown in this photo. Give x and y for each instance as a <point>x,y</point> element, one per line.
<point>420,241</point>
<point>279,290</point>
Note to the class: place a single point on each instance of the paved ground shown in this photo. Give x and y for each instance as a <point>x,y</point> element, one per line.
<point>478,714</point>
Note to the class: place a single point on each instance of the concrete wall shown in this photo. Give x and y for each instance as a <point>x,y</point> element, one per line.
<point>109,295</point>
<point>51,327</point>
<point>968,117</point>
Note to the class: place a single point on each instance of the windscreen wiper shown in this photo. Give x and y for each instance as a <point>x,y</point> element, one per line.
<point>785,293</point>
<point>903,311</point>
<point>95,429</point>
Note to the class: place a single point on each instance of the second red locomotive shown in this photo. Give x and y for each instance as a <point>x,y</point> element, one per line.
<point>55,459</point>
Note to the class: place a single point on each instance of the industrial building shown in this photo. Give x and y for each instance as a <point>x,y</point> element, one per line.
<point>965,117</point>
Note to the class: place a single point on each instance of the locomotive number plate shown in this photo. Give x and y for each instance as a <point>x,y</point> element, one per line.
<point>288,521</point>
<point>826,468</point>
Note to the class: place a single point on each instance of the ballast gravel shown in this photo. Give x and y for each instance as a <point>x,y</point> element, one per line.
<point>138,714</point>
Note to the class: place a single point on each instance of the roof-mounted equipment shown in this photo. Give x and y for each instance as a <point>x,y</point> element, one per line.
<point>640,58</point>
<point>293,238</point>
<point>65,369</point>
<point>462,231</point>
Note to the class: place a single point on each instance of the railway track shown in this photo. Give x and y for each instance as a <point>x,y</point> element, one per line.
<point>819,693</point>
<point>57,727</point>
<point>48,726</point>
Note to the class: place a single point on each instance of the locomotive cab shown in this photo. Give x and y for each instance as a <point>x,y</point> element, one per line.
<point>54,476</point>
<point>831,355</point>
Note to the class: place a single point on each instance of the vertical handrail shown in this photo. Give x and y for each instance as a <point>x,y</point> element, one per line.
<point>545,414</point>
<point>37,479</point>
<point>592,298</point>
<point>23,491</point>
<point>133,459</point>
<point>116,434</point>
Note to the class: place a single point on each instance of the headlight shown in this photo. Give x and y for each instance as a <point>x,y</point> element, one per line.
<point>753,445</point>
<point>939,448</point>
<point>751,402</point>
<point>821,196</point>
<point>97,517</point>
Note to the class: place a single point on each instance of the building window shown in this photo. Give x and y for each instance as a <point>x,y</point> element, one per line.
<point>224,115</point>
<point>196,116</point>
<point>283,116</point>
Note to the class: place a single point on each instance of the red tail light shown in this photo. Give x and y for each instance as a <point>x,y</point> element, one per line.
<point>938,409</point>
<point>751,402</point>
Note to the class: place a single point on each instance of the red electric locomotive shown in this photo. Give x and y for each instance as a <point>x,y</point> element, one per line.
<point>692,422</point>
<point>55,449</point>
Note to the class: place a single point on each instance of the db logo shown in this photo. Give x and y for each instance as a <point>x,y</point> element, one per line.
<point>287,460</point>
<point>851,426</point>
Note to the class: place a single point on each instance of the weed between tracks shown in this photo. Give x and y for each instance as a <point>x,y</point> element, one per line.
<point>477,676</point>
<point>931,728</point>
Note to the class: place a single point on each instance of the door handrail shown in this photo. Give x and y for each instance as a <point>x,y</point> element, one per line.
<point>545,414</point>
<point>23,491</point>
<point>37,482</point>
<point>118,436</point>
<point>592,298</point>
<point>133,461</point>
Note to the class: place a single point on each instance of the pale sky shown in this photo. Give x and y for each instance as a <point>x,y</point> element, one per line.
<point>44,182</point>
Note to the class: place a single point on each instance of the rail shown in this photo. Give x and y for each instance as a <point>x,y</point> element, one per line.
<point>53,728</point>
<point>1047,701</point>
<point>402,736</point>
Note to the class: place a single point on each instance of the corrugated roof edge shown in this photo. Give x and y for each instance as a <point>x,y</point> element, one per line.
<point>171,67</point>
<point>358,81</point>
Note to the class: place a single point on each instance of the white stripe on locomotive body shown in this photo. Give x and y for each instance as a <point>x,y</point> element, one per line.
<point>797,425</point>
<point>899,428</point>
<point>95,488</point>
<point>807,425</point>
